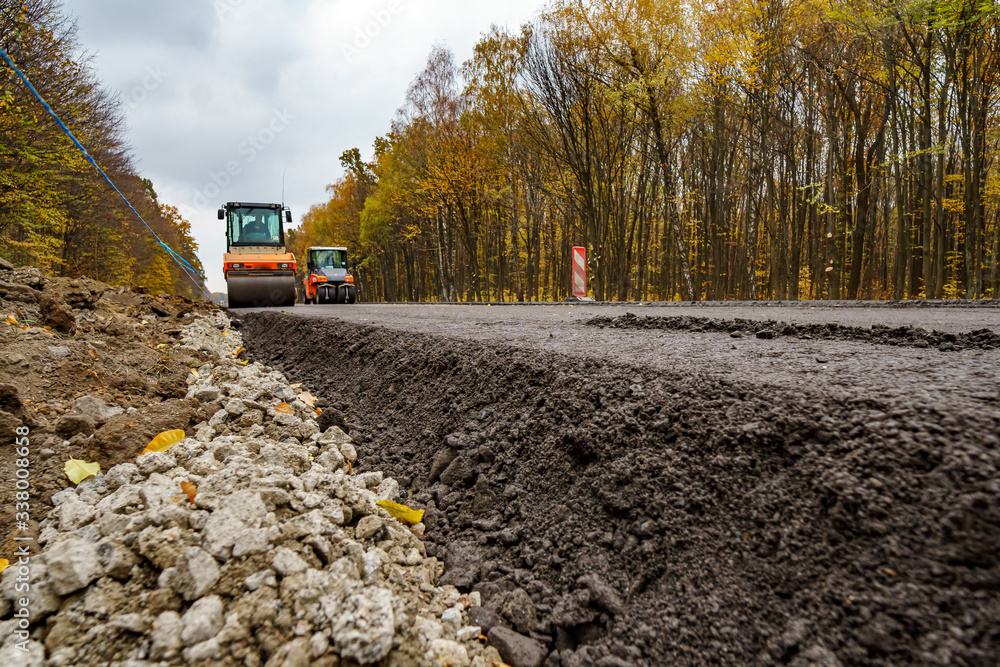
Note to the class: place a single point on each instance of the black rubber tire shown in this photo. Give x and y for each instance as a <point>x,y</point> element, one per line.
<point>352,295</point>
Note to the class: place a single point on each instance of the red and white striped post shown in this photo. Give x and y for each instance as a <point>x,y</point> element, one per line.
<point>579,272</point>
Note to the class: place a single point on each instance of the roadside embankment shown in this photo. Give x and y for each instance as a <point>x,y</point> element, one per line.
<point>624,514</point>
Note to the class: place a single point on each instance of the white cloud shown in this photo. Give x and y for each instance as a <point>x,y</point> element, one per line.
<point>200,78</point>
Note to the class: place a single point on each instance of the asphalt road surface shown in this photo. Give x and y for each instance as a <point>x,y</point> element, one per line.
<point>837,365</point>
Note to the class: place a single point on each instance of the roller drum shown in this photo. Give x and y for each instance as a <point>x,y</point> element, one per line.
<point>261,291</point>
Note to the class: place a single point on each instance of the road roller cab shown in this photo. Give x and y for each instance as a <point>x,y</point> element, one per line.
<point>258,271</point>
<point>328,280</point>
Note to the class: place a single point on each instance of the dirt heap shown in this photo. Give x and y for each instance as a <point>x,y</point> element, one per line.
<point>620,515</point>
<point>92,370</point>
<point>250,543</point>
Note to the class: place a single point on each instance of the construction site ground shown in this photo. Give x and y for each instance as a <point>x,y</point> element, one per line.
<point>713,484</point>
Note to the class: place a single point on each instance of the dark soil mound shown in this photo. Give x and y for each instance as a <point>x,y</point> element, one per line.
<point>626,516</point>
<point>983,339</point>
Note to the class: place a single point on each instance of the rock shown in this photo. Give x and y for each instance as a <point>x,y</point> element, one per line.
<point>516,649</point>
<point>120,475</point>
<point>819,656</point>
<point>484,618</point>
<point>518,608</point>
<point>292,654</point>
<point>335,436</point>
<point>57,314</point>
<point>368,526</point>
<point>387,490</point>
<point>263,578</point>
<point>194,574</point>
<point>235,407</point>
<point>461,471</point>
<point>427,630</point>
<point>202,621</point>
<point>363,626</point>
<point>96,410</point>
<point>33,656</point>
<point>70,425</point>
<point>243,510</point>
<point>207,394</point>
<point>134,623</point>
<point>286,562</point>
<point>166,636</point>
<point>116,559</point>
<point>72,564</point>
<point>452,617</point>
<point>447,652</point>
<point>73,513</point>
<point>44,599</point>
<point>461,567</point>
<point>5,265</point>
<point>574,609</point>
<point>601,594</point>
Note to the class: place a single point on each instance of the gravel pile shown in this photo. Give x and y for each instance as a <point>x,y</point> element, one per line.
<point>282,557</point>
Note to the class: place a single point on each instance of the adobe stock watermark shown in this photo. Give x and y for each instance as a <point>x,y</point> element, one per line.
<point>248,149</point>
<point>366,34</point>
<point>155,76</point>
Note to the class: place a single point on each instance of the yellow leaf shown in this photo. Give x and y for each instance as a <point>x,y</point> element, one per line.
<point>308,399</point>
<point>164,441</point>
<point>4,564</point>
<point>190,490</point>
<point>145,322</point>
<point>11,320</point>
<point>284,408</point>
<point>93,353</point>
<point>77,471</point>
<point>161,345</point>
<point>402,513</point>
<point>194,372</point>
<point>297,385</point>
<point>239,351</point>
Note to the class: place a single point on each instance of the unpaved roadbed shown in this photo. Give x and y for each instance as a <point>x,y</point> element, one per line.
<point>668,512</point>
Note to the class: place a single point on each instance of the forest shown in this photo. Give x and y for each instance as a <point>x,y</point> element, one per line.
<point>56,212</point>
<point>737,149</point>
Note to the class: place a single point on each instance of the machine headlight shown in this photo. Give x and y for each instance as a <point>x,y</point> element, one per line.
<point>237,266</point>
<point>322,279</point>
<point>282,266</point>
<point>350,279</point>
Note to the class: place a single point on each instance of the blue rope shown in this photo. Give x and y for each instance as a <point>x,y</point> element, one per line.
<point>188,270</point>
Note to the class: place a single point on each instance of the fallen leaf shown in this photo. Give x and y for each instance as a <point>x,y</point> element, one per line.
<point>93,353</point>
<point>190,489</point>
<point>283,408</point>
<point>891,572</point>
<point>144,322</point>
<point>4,564</point>
<point>402,513</point>
<point>239,351</point>
<point>77,471</point>
<point>164,441</point>
<point>308,399</point>
<point>162,345</point>
<point>296,385</point>
<point>194,372</point>
<point>244,362</point>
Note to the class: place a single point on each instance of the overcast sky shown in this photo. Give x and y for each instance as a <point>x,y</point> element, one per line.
<point>223,95</point>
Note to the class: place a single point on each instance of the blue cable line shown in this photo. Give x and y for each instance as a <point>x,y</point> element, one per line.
<point>187,269</point>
